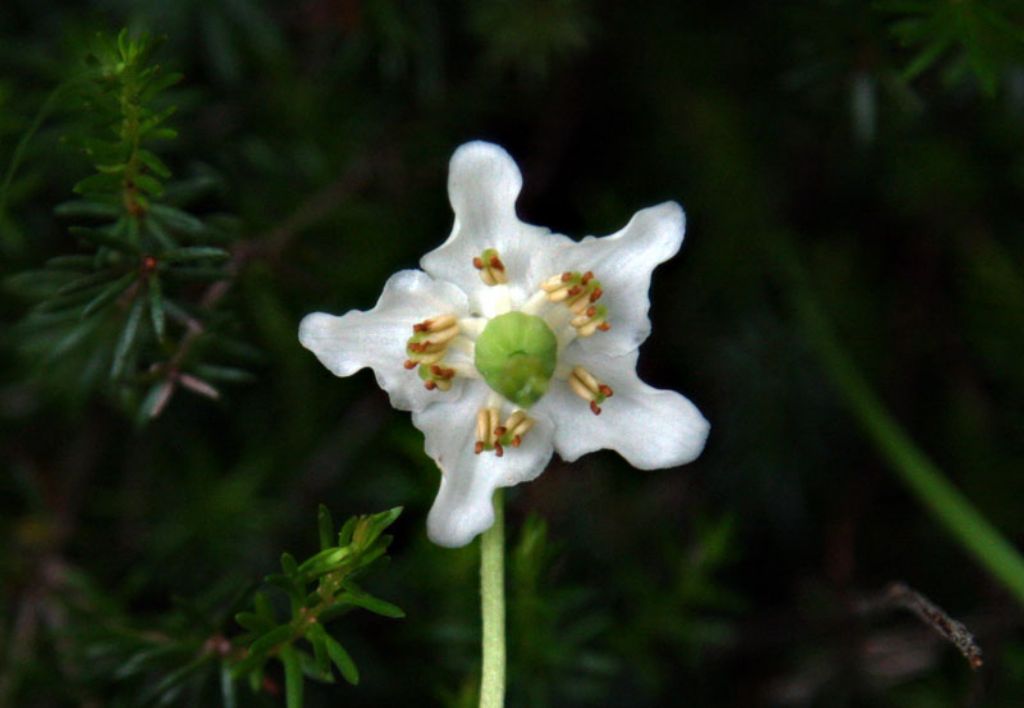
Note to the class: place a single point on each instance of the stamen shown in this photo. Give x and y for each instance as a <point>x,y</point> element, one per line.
<point>427,347</point>
<point>486,438</point>
<point>491,267</point>
<point>584,385</point>
<point>579,292</point>
<point>515,428</point>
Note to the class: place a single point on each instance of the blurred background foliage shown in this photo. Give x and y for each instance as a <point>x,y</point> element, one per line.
<point>883,144</point>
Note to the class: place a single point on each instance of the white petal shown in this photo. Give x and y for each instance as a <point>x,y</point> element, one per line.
<point>462,509</point>
<point>377,338</point>
<point>651,428</point>
<point>623,263</point>
<point>483,185</point>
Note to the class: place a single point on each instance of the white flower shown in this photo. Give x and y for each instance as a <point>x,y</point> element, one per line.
<point>513,342</point>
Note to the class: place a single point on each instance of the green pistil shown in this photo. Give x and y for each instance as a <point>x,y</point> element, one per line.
<point>516,355</point>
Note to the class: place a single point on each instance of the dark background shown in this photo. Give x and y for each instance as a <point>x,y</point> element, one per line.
<point>818,177</point>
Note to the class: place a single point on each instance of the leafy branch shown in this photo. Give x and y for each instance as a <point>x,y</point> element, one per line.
<point>126,301</point>
<point>987,33</point>
<point>319,590</point>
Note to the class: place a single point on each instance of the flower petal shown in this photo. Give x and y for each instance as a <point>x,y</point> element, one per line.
<point>463,509</point>
<point>623,262</point>
<point>483,185</point>
<point>651,428</point>
<point>377,338</point>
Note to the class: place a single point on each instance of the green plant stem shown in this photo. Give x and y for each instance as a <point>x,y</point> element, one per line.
<point>925,480</point>
<point>492,607</point>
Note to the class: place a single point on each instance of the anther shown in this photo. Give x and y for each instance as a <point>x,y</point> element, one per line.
<point>427,347</point>
<point>579,292</point>
<point>584,385</point>
<point>512,431</point>
<point>491,267</point>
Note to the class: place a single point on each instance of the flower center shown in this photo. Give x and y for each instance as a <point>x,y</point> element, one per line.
<point>516,355</point>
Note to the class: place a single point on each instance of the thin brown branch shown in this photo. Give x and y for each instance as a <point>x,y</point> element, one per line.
<point>902,596</point>
<point>270,244</point>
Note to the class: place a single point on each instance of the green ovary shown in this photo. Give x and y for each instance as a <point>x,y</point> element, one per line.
<point>516,355</point>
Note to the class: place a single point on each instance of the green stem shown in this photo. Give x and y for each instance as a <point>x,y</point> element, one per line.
<point>946,503</point>
<point>492,607</point>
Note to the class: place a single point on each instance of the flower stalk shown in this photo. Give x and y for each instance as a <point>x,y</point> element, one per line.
<point>492,608</point>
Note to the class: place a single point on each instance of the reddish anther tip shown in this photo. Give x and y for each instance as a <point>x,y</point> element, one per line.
<point>436,370</point>
<point>496,263</point>
<point>594,408</point>
<point>500,430</point>
<point>606,390</point>
<point>587,277</point>
<point>409,364</point>
<point>429,385</point>
<point>421,327</point>
<point>498,449</point>
<point>566,277</point>
<point>596,295</point>
<point>478,263</point>
<point>575,290</point>
<point>517,441</point>
<point>478,448</point>
<point>591,311</point>
<point>604,326</point>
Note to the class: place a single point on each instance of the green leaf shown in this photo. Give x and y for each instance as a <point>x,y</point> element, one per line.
<point>87,209</point>
<point>127,339</point>
<point>149,184</point>
<point>158,232</point>
<point>153,403</point>
<point>293,681</point>
<point>208,275</point>
<point>163,134</point>
<point>261,603</point>
<point>223,373</point>
<point>101,183</point>
<point>325,526</point>
<point>288,565</point>
<point>345,535</point>
<point>108,295</point>
<point>278,635</point>
<point>194,253</point>
<point>371,603</point>
<point>341,659</point>
<point>178,220</point>
<point>252,621</point>
<point>149,126</point>
<point>380,521</point>
<point>156,306</point>
<point>104,237</point>
<point>158,84</point>
<point>324,562</point>
<point>321,659</point>
<point>71,262</point>
<point>87,281</point>
<point>154,163</point>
